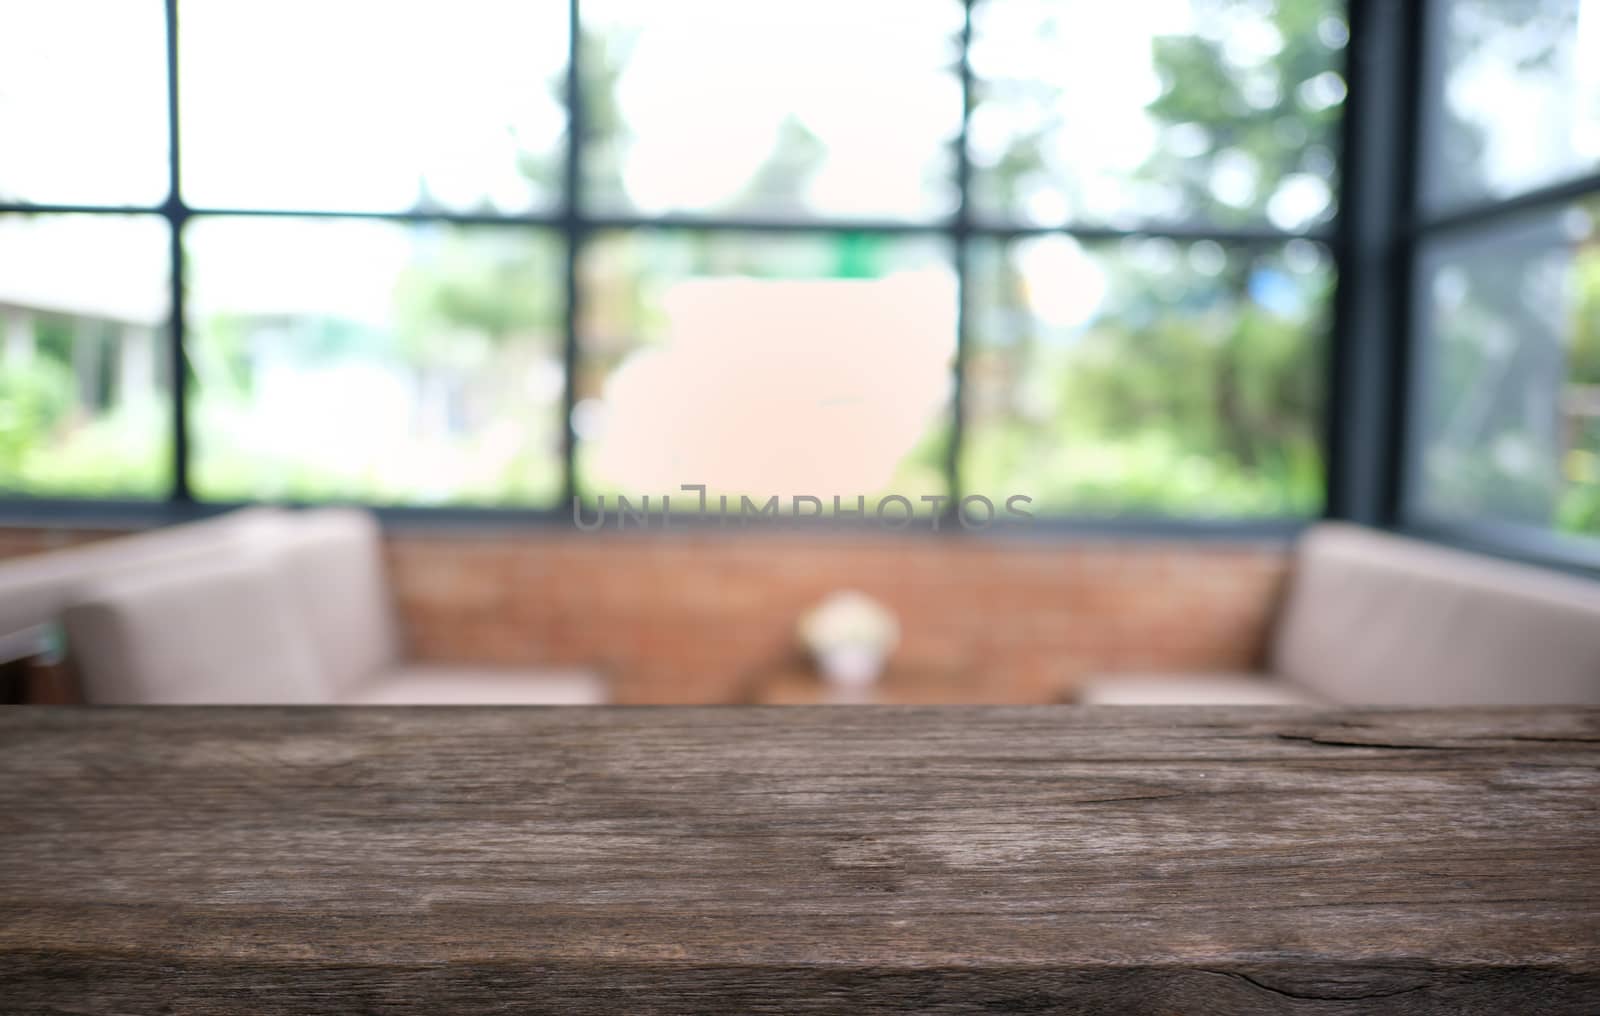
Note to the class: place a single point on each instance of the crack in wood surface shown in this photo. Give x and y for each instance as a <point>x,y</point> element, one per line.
<point>676,861</point>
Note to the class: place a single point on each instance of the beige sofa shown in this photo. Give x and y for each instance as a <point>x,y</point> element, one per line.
<point>1376,619</point>
<point>215,630</point>
<point>35,590</point>
<point>331,562</point>
<point>261,606</point>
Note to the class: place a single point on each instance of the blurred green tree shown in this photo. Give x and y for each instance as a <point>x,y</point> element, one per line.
<point>35,400</point>
<point>1217,373</point>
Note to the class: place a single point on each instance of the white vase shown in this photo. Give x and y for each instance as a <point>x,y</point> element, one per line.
<point>851,666</point>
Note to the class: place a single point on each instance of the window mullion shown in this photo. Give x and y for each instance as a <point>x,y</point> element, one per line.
<point>176,215</point>
<point>573,233</point>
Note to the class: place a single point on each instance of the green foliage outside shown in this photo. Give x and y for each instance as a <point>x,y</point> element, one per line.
<point>51,447</point>
<point>471,314</point>
<point>1188,392</point>
<point>1186,395</point>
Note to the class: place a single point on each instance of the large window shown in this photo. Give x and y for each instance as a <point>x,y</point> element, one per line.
<point>1506,417</point>
<point>494,253</point>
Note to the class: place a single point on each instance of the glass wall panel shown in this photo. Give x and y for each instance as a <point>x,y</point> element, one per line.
<point>1149,376</point>
<point>375,361</point>
<point>85,359</point>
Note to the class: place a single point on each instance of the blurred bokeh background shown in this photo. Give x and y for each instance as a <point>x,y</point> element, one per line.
<point>1118,260</point>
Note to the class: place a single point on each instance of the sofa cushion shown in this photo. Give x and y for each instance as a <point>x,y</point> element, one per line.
<point>212,630</point>
<point>1377,619</point>
<point>453,684</point>
<point>1196,689</point>
<point>332,561</point>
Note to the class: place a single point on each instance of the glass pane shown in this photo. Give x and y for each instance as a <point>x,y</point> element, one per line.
<point>1511,374</point>
<point>83,102</point>
<point>370,105</point>
<point>766,365</point>
<point>824,108</point>
<point>375,361</point>
<point>1519,101</point>
<point>1148,376</point>
<point>84,356</point>
<point>1221,111</point>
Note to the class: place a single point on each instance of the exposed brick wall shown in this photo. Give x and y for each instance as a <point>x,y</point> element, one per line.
<point>685,619</point>
<point>688,618</point>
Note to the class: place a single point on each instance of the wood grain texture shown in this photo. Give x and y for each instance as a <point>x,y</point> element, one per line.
<point>665,861</point>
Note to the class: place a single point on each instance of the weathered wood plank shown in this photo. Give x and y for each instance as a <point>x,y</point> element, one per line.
<point>799,860</point>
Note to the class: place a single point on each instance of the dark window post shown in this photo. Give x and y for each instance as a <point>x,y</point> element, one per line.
<point>176,215</point>
<point>1366,414</point>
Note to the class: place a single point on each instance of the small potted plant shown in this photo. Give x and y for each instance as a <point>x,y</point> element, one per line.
<point>850,635</point>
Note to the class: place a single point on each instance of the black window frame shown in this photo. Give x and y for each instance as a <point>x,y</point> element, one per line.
<point>1479,218</point>
<point>1373,241</point>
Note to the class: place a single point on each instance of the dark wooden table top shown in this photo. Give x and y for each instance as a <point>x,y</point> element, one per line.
<point>571,861</point>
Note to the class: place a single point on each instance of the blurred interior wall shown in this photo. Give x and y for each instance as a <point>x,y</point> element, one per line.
<point>693,618</point>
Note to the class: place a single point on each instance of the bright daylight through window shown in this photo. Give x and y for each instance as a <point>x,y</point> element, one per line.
<point>832,248</point>
<point>1506,434</point>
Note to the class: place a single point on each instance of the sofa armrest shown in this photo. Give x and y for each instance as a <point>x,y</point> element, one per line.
<point>214,631</point>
